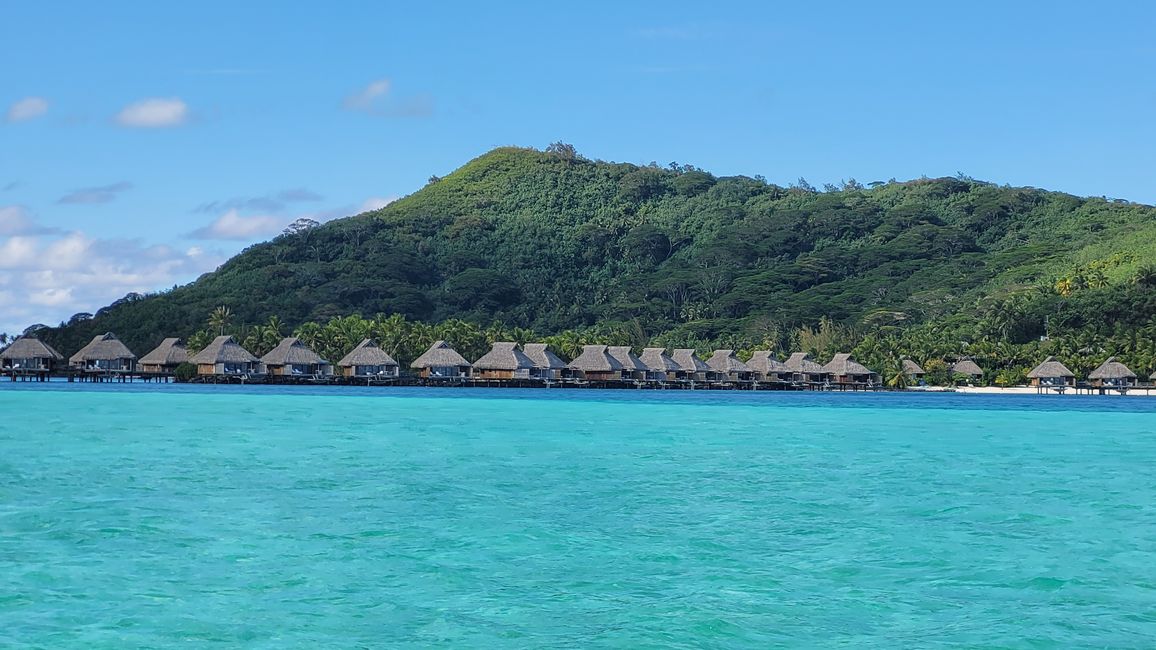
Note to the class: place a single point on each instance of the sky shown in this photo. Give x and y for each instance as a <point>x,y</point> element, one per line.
<point>142,144</point>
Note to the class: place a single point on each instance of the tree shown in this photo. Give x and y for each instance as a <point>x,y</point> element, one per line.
<point>562,150</point>
<point>803,185</point>
<point>1145,276</point>
<point>220,318</point>
<point>300,226</point>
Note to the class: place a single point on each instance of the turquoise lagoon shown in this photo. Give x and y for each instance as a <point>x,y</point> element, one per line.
<point>143,517</point>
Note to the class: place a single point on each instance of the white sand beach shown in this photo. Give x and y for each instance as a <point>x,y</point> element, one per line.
<point>1030,390</point>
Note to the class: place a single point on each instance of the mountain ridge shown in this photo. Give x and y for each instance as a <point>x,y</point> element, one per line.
<point>550,240</point>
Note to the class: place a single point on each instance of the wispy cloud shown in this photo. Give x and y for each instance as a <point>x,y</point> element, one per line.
<point>223,72</point>
<point>375,99</point>
<point>26,109</point>
<point>8,187</point>
<point>364,99</point>
<point>274,202</point>
<point>92,195</point>
<point>671,32</point>
<point>673,69</point>
<point>375,203</point>
<point>154,113</point>
<point>233,226</point>
<point>16,221</point>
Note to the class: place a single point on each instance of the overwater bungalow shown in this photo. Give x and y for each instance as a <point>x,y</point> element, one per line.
<point>842,369</point>
<point>547,365</point>
<point>662,367</point>
<point>727,364</point>
<point>368,361</point>
<point>632,366</point>
<point>968,368</point>
<point>104,353</point>
<point>691,367</point>
<point>224,357</point>
<point>1052,374</point>
<point>441,362</point>
<point>165,358</point>
<point>596,364</point>
<point>1112,374</point>
<point>292,358</point>
<point>28,355</point>
<point>803,369</point>
<point>767,368</point>
<point>913,371</point>
<point>503,361</point>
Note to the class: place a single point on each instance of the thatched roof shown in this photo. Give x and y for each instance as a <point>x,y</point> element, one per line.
<point>657,359</point>
<point>291,351</point>
<point>912,368</point>
<point>223,349</point>
<point>102,348</point>
<point>1112,369</point>
<point>843,364</point>
<point>595,358</point>
<point>504,355</point>
<point>440,355</point>
<point>367,353</point>
<point>966,367</point>
<point>30,347</point>
<point>543,357</point>
<point>1051,367</point>
<point>169,353</point>
<point>801,362</point>
<point>762,361</point>
<point>630,361</point>
<point>688,361</point>
<point>726,362</point>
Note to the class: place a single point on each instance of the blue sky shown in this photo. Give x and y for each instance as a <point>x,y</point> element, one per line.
<point>141,144</point>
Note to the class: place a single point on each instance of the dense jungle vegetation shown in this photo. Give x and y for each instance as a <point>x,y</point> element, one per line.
<point>525,244</point>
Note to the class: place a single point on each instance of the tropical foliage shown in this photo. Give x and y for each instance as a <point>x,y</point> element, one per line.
<point>578,250</point>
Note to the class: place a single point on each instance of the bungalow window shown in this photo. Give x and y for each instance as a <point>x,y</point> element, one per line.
<point>235,368</point>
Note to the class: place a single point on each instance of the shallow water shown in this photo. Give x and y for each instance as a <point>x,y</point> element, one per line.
<point>134,516</point>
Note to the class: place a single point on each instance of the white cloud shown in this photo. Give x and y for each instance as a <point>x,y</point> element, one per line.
<point>364,99</point>
<point>375,203</point>
<point>232,225</point>
<point>46,279</point>
<point>27,109</point>
<point>18,252</point>
<point>157,112</point>
<point>15,220</point>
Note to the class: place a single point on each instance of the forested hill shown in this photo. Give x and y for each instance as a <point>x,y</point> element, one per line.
<point>553,241</point>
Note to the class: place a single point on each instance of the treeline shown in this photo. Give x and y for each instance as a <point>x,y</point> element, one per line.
<point>935,348</point>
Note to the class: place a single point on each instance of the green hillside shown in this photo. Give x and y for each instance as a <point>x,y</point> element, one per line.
<point>551,241</point>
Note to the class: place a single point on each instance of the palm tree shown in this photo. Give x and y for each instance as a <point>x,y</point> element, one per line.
<point>220,318</point>
<point>1145,276</point>
<point>896,378</point>
<point>1097,279</point>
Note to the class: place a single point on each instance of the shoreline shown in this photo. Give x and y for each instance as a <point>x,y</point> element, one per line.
<point>1031,390</point>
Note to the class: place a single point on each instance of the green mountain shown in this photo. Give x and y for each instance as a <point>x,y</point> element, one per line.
<point>553,241</point>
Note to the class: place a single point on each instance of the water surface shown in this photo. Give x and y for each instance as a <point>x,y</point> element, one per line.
<point>158,516</point>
